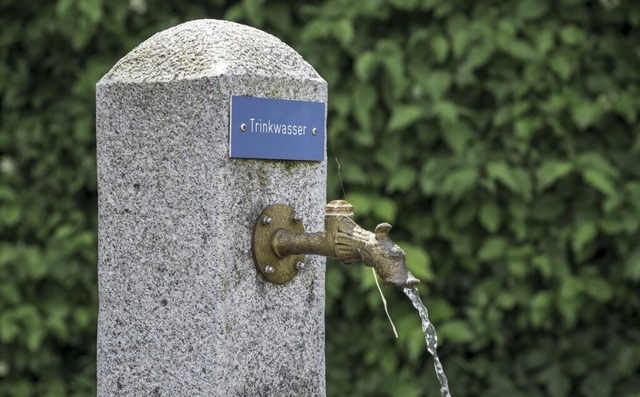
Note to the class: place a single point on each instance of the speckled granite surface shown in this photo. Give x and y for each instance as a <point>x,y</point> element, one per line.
<point>182,310</point>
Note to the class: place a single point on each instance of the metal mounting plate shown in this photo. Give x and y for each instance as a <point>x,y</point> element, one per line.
<point>271,219</point>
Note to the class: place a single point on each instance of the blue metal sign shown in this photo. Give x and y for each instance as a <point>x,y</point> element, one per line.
<point>277,129</point>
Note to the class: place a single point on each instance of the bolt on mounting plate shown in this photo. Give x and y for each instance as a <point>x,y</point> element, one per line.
<point>271,219</point>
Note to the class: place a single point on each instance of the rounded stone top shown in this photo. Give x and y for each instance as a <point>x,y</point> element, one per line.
<point>209,47</point>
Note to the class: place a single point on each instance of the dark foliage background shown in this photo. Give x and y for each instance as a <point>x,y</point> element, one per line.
<point>501,138</point>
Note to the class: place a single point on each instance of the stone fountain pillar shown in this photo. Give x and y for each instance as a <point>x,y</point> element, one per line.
<point>183,311</point>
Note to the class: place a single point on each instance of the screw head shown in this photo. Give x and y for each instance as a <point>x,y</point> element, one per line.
<point>266,220</point>
<point>299,265</point>
<point>314,131</point>
<point>243,127</point>
<point>269,269</point>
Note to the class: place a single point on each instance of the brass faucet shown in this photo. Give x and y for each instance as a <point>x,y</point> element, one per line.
<point>279,244</point>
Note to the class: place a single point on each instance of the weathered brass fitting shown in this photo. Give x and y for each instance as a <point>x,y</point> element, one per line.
<point>280,243</point>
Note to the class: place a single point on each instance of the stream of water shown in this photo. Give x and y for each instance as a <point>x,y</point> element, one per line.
<point>430,337</point>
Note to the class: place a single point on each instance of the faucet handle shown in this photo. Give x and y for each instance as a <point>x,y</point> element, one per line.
<point>382,230</point>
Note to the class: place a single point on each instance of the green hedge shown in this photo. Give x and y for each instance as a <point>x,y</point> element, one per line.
<point>501,139</point>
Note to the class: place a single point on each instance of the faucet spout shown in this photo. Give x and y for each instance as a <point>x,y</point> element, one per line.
<point>342,239</point>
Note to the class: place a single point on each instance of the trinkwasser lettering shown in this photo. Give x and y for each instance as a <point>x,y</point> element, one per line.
<point>267,127</point>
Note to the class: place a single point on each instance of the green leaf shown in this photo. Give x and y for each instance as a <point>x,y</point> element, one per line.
<point>437,83</point>
<point>541,308</point>
<point>253,10</point>
<point>343,32</point>
<point>365,65</point>
<point>532,9</point>
<point>385,209</point>
<point>510,112</point>
<point>279,16</point>
<point>56,388</point>
<point>6,192</point>
<point>506,300</point>
<point>583,235</point>
<point>550,171</point>
<point>456,331</point>
<point>568,302</point>
<point>418,261</point>
<point>526,127</point>
<point>91,9</point>
<point>490,216</point>
<point>547,208</point>
<point>392,58</point>
<point>464,215</point>
<point>341,104</point>
<point>9,329</point>
<point>440,47</point>
<point>572,35</point>
<point>34,264</point>
<point>412,335</point>
<point>627,106</point>
<point>35,337</point>
<point>599,181</point>
<point>597,384</point>
<point>63,232</point>
<point>562,64</point>
<point>314,30</point>
<point>21,388</point>
<point>536,359</point>
<point>493,248</point>
<point>433,172</point>
<point>402,180</point>
<point>597,162</point>
<point>364,100</point>
<point>457,27</point>
<point>9,214</point>
<point>599,289</point>
<point>362,203</point>
<point>555,380</point>
<point>389,362</point>
<point>446,110</point>
<point>440,310</point>
<point>355,174</point>
<point>403,116</point>
<point>514,178</point>
<point>82,317</point>
<point>545,40</point>
<point>522,50</point>
<point>612,204</point>
<point>457,135</point>
<point>10,294</point>
<point>460,181</point>
<point>57,319</point>
<point>632,265</point>
<point>500,171</point>
<point>478,56</point>
<point>543,264</point>
<point>404,4</point>
<point>585,114</point>
<point>63,7</point>
<point>335,277</point>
